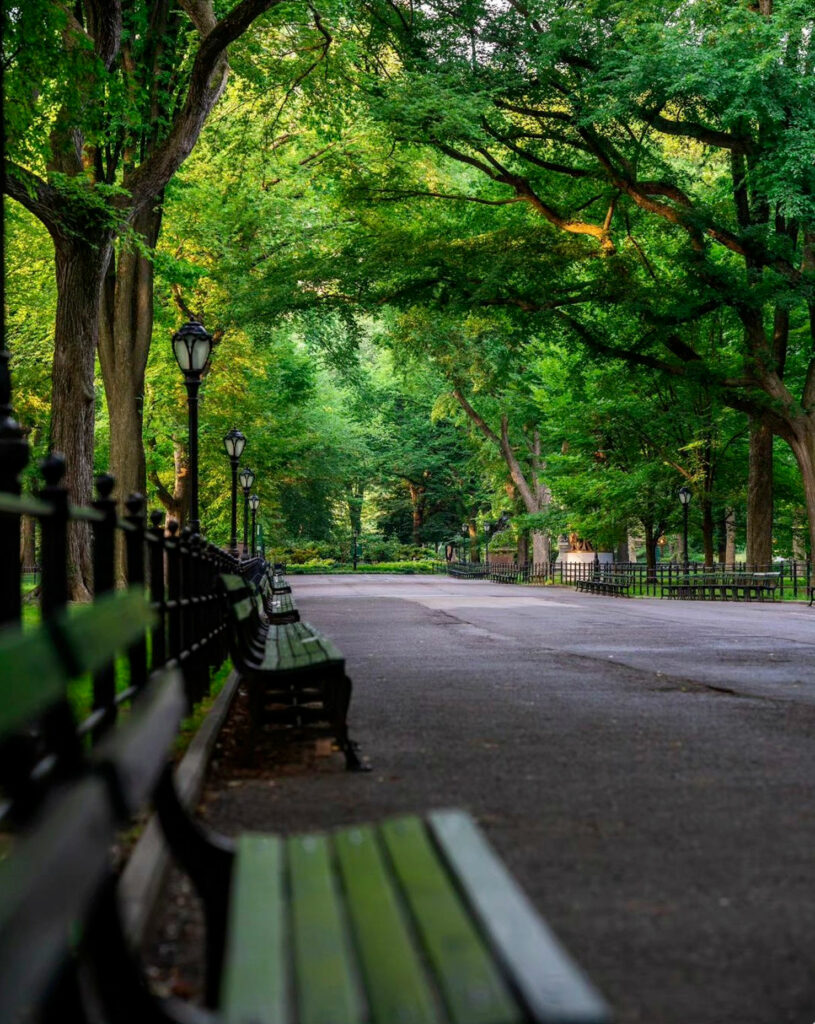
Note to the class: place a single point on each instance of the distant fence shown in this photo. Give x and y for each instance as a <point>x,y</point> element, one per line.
<point>795,577</point>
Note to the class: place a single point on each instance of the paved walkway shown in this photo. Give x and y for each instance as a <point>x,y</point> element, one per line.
<point>645,767</point>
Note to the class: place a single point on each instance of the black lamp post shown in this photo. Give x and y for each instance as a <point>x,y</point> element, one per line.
<point>465,533</point>
<point>254,501</point>
<point>234,443</point>
<point>246,478</point>
<point>684,497</point>
<point>192,347</point>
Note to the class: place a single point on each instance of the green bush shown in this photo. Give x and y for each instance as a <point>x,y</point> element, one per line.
<point>425,566</point>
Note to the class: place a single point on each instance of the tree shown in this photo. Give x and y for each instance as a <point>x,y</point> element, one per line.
<point>121,96</point>
<point>666,150</point>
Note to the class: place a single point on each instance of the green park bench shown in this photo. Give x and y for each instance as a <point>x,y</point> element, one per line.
<point>414,920</point>
<point>279,606</point>
<point>723,586</point>
<point>599,583</point>
<point>279,584</point>
<point>467,570</point>
<point>294,674</point>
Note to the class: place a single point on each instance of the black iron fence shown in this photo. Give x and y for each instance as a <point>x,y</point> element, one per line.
<point>794,577</point>
<point>177,569</point>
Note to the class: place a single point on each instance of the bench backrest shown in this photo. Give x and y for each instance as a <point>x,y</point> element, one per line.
<point>70,797</point>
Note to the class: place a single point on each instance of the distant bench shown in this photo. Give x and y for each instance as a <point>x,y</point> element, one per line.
<point>467,570</point>
<point>501,572</point>
<point>278,602</point>
<point>599,583</point>
<point>414,920</point>
<point>733,586</point>
<point>295,675</point>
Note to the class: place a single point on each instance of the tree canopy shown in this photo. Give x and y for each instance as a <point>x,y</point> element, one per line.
<point>550,258</point>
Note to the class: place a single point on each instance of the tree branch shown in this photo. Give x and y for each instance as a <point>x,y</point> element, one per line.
<point>207,82</point>
<point>695,130</point>
<point>36,195</point>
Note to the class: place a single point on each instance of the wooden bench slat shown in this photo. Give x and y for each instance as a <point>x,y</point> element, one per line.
<point>327,992</point>
<point>137,751</point>
<point>397,989</point>
<point>46,885</point>
<point>554,989</point>
<point>473,989</point>
<point>297,645</point>
<point>253,985</point>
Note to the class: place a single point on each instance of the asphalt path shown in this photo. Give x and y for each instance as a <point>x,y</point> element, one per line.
<point>643,766</point>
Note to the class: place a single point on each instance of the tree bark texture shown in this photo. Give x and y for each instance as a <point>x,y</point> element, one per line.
<point>650,548</point>
<point>730,537</point>
<point>803,445</point>
<point>760,495</point>
<point>80,269</point>
<point>473,530</point>
<point>28,536</point>
<point>126,327</point>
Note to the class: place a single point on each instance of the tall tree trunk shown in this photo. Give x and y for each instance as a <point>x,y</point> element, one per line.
<point>418,496</point>
<point>523,548</point>
<point>799,544</point>
<point>534,493</point>
<point>650,549</point>
<point>80,270</point>
<point>126,328</point>
<point>730,537</point>
<point>540,547</point>
<point>473,528</point>
<point>708,529</point>
<point>803,445</point>
<point>28,548</point>
<point>760,495</point>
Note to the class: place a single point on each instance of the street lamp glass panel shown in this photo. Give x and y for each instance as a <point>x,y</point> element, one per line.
<point>254,501</point>
<point>246,478</point>
<point>192,346</point>
<point>465,529</point>
<point>684,495</point>
<point>234,442</point>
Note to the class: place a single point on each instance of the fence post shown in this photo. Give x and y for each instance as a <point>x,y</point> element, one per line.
<point>54,587</point>
<point>134,549</point>
<point>157,590</point>
<point>104,554</point>
<point>174,593</point>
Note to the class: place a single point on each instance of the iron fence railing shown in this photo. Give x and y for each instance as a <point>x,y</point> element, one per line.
<point>177,569</point>
<point>794,576</point>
